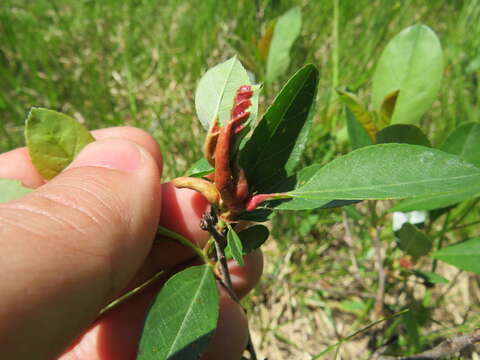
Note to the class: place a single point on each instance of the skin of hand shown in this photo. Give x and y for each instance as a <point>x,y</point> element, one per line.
<point>86,237</point>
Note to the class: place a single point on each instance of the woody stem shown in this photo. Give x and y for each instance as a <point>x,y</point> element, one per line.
<point>208,223</point>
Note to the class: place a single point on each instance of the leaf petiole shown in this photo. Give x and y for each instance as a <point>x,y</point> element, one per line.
<point>185,242</point>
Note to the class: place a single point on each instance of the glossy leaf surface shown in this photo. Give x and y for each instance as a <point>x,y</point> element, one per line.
<point>390,171</point>
<point>287,29</point>
<point>412,63</point>
<point>11,189</point>
<point>183,317</point>
<point>53,140</point>
<point>464,256</point>
<point>278,141</point>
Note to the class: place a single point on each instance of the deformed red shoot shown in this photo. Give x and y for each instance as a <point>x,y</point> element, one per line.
<point>229,177</point>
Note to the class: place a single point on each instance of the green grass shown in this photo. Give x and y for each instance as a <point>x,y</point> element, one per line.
<point>137,62</point>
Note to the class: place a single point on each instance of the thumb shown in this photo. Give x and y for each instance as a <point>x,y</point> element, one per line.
<point>71,245</point>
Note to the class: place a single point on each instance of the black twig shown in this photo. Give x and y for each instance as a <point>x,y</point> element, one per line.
<point>208,223</point>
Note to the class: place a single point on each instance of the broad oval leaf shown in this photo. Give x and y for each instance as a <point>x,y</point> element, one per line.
<point>216,91</point>
<point>402,134</point>
<point>274,149</point>
<point>53,140</point>
<point>412,63</point>
<point>183,317</point>
<point>413,241</point>
<point>287,28</point>
<point>12,189</point>
<point>464,255</point>
<point>390,171</point>
<point>464,141</point>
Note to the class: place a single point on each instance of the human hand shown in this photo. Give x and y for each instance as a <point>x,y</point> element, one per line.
<point>84,238</point>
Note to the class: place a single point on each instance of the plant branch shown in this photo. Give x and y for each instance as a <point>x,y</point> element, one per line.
<point>445,348</point>
<point>185,242</point>
<point>131,293</point>
<point>208,223</point>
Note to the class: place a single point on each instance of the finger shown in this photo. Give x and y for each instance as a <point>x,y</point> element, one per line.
<point>244,278</point>
<point>115,335</point>
<point>231,335</point>
<point>136,135</point>
<point>182,210</point>
<point>16,164</point>
<point>74,243</point>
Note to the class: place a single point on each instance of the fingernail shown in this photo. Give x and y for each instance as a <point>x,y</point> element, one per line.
<point>114,154</point>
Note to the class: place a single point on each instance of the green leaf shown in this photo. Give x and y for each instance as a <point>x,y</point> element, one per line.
<point>361,127</point>
<point>411,325</point>
<point>200,168</point>
<point>53,140</point>
<point>465,255</point>
<point>436,201</point>
<point>412,63</point>
<point>402,134</point>
<point>430,277</point>
<point>234,246</point>
<point>216,91</point>
<point>357,134</point>
<point>295,181</point>
<point>257,215</point>
<point>12,189</point>
<point>390,171</point>
<point>464,141</point>
<point>182,318</point>
<point>286,31</point>
<point>251,238</point>
<point>274,149</point>
<point>413,241</point>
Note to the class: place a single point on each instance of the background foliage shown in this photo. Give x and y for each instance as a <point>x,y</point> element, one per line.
<point>138,62</point>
